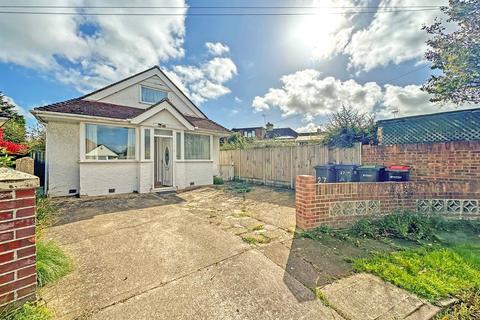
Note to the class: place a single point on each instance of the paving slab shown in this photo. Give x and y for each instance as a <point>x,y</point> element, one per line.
<point>365,296</point>
<point>247,286</point>
<point>119,255</point>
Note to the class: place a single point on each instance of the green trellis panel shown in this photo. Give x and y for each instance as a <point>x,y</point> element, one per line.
<point>441,127</point>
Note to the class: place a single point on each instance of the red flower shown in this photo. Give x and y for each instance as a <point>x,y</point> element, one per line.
<point>11,147</point>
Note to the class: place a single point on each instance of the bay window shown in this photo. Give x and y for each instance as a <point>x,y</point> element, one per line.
<point>197,146</point>
<point>103,142</point>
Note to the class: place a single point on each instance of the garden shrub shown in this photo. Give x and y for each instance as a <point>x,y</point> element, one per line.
<point>408,226</point>
<point>52,262</point>
<point>29,311</point>
<point>218,180</point>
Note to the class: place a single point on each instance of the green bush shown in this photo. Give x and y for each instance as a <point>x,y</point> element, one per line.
<point>29,311</point>
<point>239,186</point>
<point>409,226</point>
<point>52,262</point>
<point>218,180</point>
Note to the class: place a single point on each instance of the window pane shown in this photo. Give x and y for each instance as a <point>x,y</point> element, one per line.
<point>197,147</point>
<point>147,144</point>
<point>109,143</point>
<point>151,95</point>
<point>162,132</point>
<point>179,146</point>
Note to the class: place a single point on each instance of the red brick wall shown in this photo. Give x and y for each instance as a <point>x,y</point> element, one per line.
<point>340,204</point>
<point>449,161</point>
<point>17,246</point>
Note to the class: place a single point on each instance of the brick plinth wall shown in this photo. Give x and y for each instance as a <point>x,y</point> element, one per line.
<point>448,161</point>
<point>17,237</point>
<point>340,204</point>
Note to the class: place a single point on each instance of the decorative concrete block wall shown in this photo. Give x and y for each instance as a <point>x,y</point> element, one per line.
<point>447,161</point>
<point>341,204</point>
<point>17,236</point>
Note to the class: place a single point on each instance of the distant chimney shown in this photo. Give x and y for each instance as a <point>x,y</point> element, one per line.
<point>269,126</point>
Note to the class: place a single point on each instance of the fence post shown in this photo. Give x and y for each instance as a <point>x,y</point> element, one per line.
<point>291,167</point>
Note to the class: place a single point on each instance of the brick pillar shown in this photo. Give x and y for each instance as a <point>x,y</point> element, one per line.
<point>17,236</point>
<point>305,192</point>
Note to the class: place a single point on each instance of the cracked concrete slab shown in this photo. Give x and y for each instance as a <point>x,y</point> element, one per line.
<point>167,261</point>
<point>227,290</point>
<point>364,296</point>
<point>114,261</point>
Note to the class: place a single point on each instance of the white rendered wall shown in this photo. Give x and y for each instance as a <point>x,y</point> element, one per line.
<point>145,177</point>
<point>96,178</point>
<point>63,154</point>
<point>198,172</point>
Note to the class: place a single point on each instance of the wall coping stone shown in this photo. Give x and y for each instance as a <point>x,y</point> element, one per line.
<point>11,179</point>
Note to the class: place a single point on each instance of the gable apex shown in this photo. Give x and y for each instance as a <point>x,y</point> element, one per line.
<point>136,79</point>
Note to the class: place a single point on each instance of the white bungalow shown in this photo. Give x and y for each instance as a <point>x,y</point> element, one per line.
<point>141,134</point>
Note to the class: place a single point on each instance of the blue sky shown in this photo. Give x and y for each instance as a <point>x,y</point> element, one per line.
<point>295,70</point>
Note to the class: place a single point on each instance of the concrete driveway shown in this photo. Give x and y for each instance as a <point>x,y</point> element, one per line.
<point>178,257</point>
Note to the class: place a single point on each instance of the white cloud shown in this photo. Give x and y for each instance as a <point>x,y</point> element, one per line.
<point>410,100</point>
<point>309,127</point>
<point>387,37</point>
<point>205,81</point>
<point>217,48</point>
<point>238,100</point>
<point>390,37</point>
<point>118,45</point>
<point>220,69</point>
<point>324,33</point>
<point>21,110</point>
<point>306,92</point>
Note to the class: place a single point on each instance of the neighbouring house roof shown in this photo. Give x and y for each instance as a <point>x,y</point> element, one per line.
<point>101,151</point>
<point>250,128</point>
<point>281,133</point>
<point>114,111</point>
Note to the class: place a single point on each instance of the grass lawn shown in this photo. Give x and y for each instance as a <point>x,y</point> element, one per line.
<point>429,256</point>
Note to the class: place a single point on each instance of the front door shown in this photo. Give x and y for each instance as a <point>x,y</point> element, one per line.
<point>163,162</point>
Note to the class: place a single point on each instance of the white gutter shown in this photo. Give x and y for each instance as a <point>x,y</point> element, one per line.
<point>65,116</point>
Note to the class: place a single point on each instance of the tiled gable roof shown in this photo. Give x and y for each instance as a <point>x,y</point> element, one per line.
<point>115,111</point>
<point>93,109</point>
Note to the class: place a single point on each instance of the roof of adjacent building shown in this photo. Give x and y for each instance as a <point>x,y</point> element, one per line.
<point>249,128</point>
<point>114,111</point>
<point>281,133</point>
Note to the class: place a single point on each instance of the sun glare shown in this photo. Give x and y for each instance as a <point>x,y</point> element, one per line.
<point>319,33</point>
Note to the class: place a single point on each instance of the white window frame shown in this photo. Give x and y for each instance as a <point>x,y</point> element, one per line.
<point>196,160</point>
<point>83,137</point>
<point>151,88</point>
<point>142,143</point>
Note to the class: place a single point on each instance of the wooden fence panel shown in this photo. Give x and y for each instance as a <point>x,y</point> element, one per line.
<point>280,165</point>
